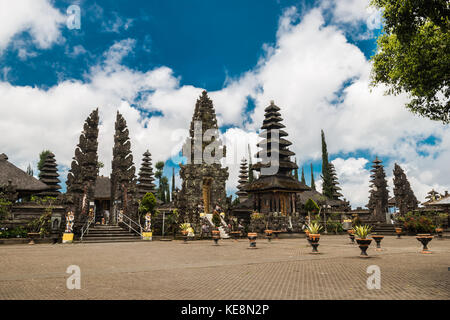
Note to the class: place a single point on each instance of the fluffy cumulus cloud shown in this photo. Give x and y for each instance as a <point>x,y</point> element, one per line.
<point>318,78</point>
<point>36,17</point>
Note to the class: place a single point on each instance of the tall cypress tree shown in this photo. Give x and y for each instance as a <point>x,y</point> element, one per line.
<point>327,182</point>
<point>296,171</point>
<point>313,184</point>
<point>405,200</point>
<point>303,176</point>
<point>250,170</point>
<point>173,183</point>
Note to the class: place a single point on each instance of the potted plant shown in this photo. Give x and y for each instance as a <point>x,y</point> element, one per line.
<point>184,227</point>
<point>378,239</point>
<point>252,238</point>
<point>268,232</point>
<point>398,231</point>
<point>439,232</point>
<point>216,236</point>
<point>362,231</point>
<point>307,235</point>
<point>424,238</point>
<point>351,235</point>
<point>314,229</point>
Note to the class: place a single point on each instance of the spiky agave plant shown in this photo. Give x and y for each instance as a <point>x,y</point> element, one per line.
<point>362,231</point>
<point>314,227</point>
<point>184,226</point>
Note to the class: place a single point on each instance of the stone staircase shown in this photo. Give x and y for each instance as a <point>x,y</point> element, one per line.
<point>223,233</point>
<point>383,229</point>
<point>106,233</point>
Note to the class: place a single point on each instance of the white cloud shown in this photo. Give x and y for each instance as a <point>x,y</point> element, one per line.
<point>353,178</point>
<point>37,17</point>
<point>354,12</point>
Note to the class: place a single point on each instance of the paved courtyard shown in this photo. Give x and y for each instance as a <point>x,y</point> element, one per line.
<point>282,269</point>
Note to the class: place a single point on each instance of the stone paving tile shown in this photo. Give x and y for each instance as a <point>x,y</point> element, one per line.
<point>282,269</point>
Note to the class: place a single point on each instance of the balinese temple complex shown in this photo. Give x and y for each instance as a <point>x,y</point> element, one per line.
<point>275,194</point>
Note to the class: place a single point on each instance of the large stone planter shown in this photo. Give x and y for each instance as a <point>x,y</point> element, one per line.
<point>439,232</point>
<point>351,235</point>
<point>184,233</point>
<point>307,237</point>
<point>216,236</point>
<point>378,239</point>
<point>276,233</point>
<point>235,235</point>
<point>424,238</point>
<point>252,239</point>
<point>32,236</point>
<point>268,234</point>
<point>314,238</point>
<point>363,245</point>
<point>398,231</point>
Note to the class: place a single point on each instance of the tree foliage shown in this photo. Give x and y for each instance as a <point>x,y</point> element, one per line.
<point>311,206</point>
<point>42,156</point>
<point>414,54</point>
<point>148,203</point>
<point>327,183</point>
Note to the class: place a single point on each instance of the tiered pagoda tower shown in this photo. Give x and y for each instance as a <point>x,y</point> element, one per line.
<point>379,194</point>
<point>146,176</point>
<point>203,179</point>
<point>336,194</point>
<point>49,175</point>
<point>274,191</point>
<point>243,180</point>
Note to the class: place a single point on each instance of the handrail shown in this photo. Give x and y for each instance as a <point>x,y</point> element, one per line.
<point>87,225</point>
<point>122,215</point>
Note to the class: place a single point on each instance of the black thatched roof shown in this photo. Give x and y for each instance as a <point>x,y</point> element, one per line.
<point>21,180</point>
<point>276,182</point>
<point>317,197</point>
<point>245,206</point>
<point>102,188</point>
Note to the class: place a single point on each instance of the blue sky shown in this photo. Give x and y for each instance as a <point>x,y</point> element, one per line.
<point>230,48</point>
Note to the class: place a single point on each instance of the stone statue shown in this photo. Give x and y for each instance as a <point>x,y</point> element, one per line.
<point>148,222</point>
<point>70,217</point>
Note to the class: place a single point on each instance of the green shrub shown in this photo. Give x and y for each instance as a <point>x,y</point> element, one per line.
<point>334,226</point>
<point>148,203</point>
<point>17,232</point>
<point>5,206</point>
<point>417,223</point>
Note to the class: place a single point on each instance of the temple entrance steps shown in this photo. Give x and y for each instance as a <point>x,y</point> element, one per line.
<point>109,233</point>
<point>384,229</point>
<point>223,232</point>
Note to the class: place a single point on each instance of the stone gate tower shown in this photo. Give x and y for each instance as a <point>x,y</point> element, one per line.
<point>203,176</point>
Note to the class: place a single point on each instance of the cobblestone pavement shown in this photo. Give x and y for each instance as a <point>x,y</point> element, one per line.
<point>282,269</point>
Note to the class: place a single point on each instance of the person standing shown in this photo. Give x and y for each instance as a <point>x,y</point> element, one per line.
<point>106,216</point>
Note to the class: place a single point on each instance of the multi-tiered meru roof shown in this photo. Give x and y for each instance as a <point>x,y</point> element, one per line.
<point>272,155</point>
<point>243,179</point>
